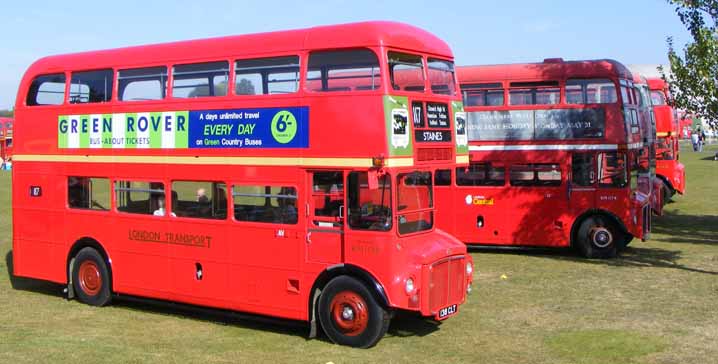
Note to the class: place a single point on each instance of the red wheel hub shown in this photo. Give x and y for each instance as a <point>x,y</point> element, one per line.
<point>89,278</point>
<point>349,313</point>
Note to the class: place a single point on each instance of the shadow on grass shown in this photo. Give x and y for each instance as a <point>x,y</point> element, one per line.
<point>631,257</point>
<point>691,229</point>
<point>403,324</point>
<point>636,257</point>
<point>31,285</point>
<point>215,316</point>
<point>406,324</point>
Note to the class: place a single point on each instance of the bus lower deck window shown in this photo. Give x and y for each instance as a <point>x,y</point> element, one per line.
<point>266,204</point>
<point>140,197</point>
<point>199,199</point>
<point>88,193</point>
<point>442,177</point>
<point>480,174</point>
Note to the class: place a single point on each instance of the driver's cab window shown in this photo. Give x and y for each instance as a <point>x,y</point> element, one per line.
<point>369,202</point>
<point>583,170</point>
<point>328,198</point>
<point>612,169</point>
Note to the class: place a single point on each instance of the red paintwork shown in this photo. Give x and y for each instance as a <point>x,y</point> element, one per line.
<point>254,267</point>
<point>542,216</point>
<point>6,137</point>
<point>648,134</point>
<point>90,280</point>
<point>668,130</point>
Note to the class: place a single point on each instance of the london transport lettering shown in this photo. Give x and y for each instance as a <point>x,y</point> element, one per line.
<point>169,238</point>
<point>240,128</point>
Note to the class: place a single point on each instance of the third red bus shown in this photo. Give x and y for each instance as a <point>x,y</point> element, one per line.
<point>555,157</point>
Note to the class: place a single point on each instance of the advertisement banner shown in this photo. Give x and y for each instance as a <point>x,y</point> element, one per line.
<point>537,124</point>
<point>238,128</point>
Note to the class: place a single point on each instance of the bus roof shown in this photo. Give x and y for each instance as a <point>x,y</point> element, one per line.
<point>656,84</point>
<point>549,69</point>
<point>364,34</point>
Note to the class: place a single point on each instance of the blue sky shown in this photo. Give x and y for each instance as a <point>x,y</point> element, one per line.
<point>479,32</point>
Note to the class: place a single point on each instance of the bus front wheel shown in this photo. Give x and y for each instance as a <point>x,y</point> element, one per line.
<point>598,237</point>
<point>90,278</point>
<point>350,315</point>
<point>668,193</point>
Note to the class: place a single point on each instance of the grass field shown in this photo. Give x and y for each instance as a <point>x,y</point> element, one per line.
<point>657,303</point>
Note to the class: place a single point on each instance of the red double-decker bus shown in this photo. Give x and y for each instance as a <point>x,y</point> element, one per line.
<point>287,174</point>
<point>6,135</point>
<point>668,133</point>
<point>647,123</point>
<point>555,154</point>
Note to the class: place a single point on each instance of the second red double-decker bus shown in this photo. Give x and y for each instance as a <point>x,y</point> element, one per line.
<point>287,174</point>
<point>668,129</point>
<point>647,122</point>
<point>6,137</point>
<point>555,154</point>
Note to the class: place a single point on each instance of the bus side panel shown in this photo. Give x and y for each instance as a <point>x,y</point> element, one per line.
<point>38,223</point>
<point>265,276</point>
<point>446,213</point>
<point>537,216</point>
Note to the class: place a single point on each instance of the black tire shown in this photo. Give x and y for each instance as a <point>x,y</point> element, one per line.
<point>91,278</point>
<point>627,239</point>
<point>668,193</point>
<point>598,237</point>
<point>367,321</point>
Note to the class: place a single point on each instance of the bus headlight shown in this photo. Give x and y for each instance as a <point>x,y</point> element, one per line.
<point>469,269</point>
<point>409,286</point>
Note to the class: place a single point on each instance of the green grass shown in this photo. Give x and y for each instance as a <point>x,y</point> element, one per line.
<point>657,303</point>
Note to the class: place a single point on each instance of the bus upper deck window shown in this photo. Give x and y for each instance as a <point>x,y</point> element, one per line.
<point>658,98</point>
<point>200,79</point>
<point>142,84</point>
<point>47,90</point>
<point>267,76</point>
<point>590,91</point>
<point>534,93</point>
<point>407,72</point>
<point>91,86</point>
<point>344,70</point>
<point>441,76</point>
<point>483,94</point>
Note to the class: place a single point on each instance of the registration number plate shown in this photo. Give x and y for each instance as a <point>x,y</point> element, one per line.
<point>446,312</point>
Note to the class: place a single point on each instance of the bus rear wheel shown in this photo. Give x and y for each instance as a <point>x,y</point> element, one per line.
<point>598,237</point>
<point>91,278</point>
<point>350,315</point>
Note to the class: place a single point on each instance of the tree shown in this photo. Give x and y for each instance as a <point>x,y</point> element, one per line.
<point>7,113</point>
<point>693,80</point>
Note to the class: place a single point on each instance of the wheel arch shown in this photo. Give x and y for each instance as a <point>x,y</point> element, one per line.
<point>595,212</point>
<point>667,182</point>
<point>376,289</point>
